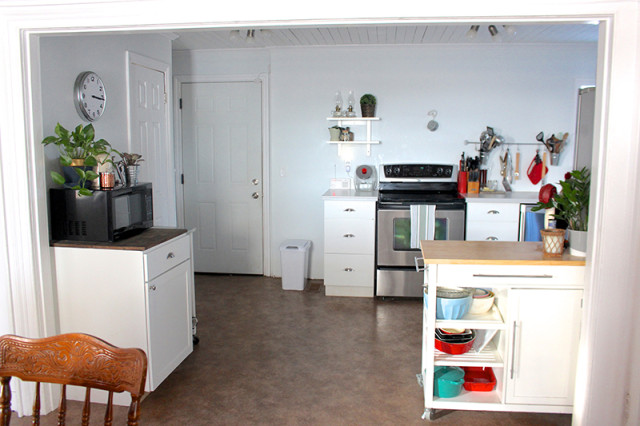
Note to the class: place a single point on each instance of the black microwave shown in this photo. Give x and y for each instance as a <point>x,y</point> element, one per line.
<point>107,215</point>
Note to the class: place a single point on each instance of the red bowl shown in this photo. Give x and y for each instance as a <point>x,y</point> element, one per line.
<point>454,348</point>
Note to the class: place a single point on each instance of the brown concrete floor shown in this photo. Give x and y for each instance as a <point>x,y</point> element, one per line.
<point>274,357</point>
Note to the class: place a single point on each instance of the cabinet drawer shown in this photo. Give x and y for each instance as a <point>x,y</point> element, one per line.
<point>164,257</point>
<point>349,270</point>
<point>349,236</point>
<point>493,212</point>
<point>350,209</point>
<point>513,275</point>
<point>492,231</point>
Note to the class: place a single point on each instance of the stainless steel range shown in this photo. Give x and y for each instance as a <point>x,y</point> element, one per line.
<point>415,202</point>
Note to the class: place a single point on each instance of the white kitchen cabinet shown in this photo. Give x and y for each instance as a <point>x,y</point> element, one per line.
<point>547,321</point>
<point>132,294</point>
<point>349,246</point>
<point>355,121</point>
<point>536,320</point>
<point>493,221</point>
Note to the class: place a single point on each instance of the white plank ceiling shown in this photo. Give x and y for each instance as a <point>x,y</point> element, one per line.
<point>378,35</point>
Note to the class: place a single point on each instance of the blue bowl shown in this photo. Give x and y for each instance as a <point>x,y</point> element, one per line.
<point>451,309</point>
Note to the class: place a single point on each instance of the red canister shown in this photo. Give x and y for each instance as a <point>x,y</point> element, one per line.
<point>462,182</point>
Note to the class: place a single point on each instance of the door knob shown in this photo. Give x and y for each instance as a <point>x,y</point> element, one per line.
<point>255,181</point>
<point>255,195</point>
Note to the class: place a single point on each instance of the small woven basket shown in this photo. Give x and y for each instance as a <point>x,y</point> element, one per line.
<point>552,242</point>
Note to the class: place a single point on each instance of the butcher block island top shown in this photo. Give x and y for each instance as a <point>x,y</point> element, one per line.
<point>143,241</point>
<point>492,253</point>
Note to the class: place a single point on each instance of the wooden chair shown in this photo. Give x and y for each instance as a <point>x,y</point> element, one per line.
<point>72,359</point>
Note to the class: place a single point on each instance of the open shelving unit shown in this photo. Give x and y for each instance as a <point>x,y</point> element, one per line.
<point>355,121</point>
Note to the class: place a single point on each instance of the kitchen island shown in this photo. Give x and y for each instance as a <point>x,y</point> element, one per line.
<point>529,337</point>
<point>136,292</point>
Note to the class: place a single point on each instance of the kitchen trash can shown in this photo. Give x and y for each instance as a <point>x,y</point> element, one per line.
<point>294,255</point>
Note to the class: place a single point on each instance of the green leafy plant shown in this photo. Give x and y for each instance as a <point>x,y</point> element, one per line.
<point>368,98</point>
<point>80,150</point>
<point>572,202</point>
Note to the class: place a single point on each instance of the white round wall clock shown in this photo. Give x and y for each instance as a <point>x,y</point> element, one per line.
<point>90,95</point>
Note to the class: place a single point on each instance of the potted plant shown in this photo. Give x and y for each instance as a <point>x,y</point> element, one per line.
<point>571,205</point>
<point>368,105</point>
<point>131,164</point>
<point>79,153</point>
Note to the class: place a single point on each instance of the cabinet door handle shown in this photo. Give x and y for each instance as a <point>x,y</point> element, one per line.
<point>493,212</point>
<point>349,210</point>
<point>513,349</point>
<point>171,255</point>
<point>491,238</point>
<point>348,236</point>
<point>511,276</point>
<point>152,287</point>
<point>348,269</point>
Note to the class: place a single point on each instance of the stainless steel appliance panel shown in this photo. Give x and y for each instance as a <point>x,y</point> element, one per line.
<point>399,282</point>
<point>394,233</point>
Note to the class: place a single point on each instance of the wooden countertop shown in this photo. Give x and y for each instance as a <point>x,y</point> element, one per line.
<point>492,253</point>
<point>143,241</point>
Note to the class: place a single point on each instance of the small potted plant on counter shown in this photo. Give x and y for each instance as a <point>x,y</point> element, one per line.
<point>131,164</point>
<point>571,205</point>
<point>79,154</point>
<point>368,105</point>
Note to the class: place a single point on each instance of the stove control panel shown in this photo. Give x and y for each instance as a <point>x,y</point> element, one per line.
<point>418,171</point>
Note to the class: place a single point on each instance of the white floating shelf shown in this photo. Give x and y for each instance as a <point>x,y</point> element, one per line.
<point>355,121</point>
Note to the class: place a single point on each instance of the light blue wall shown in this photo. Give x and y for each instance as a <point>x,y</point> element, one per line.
<point>63,58</point>
<point>518,90</point>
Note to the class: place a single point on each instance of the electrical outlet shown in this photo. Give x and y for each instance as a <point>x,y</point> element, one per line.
<point>347,166</point>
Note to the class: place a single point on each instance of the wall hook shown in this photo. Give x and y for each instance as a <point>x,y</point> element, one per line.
<point>432,124</point>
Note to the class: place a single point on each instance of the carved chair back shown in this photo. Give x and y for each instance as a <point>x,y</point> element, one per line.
<point>72,359</point>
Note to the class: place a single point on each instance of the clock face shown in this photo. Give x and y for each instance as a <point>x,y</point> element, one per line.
<point>90,95</point>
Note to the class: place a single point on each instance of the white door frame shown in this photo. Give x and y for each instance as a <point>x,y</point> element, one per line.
<point>165,69</point>
<point>264,80</point>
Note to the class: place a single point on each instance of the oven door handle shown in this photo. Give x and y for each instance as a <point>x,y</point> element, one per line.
<point>418,267</point>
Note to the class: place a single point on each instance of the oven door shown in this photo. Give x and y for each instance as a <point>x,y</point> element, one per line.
<point>401,227</point>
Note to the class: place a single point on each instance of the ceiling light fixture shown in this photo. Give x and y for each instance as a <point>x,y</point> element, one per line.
<point>251,36</point>
<point>510,30</point>
<point>473,32</point>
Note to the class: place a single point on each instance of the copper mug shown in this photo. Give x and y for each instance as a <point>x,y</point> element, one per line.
<point>107,180</point>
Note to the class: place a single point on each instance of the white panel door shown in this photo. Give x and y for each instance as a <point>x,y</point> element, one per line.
<point>222,161</point>
<point>149,138</point>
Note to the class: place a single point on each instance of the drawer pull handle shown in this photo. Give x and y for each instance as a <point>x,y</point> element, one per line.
<point>349,210</point>
<point>491,238</point>
<point>349,236</point>
<point>493,212</point>
<point>152,287</point>
<point>171,255</point>
<point>348,269</point>
<point>511,276</point>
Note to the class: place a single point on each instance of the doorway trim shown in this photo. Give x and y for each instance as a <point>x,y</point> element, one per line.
<point>266,184</point>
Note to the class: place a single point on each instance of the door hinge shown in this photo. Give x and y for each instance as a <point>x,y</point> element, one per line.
<point>165,98</point>
<point>182,178</point>
<point>180,103</point>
